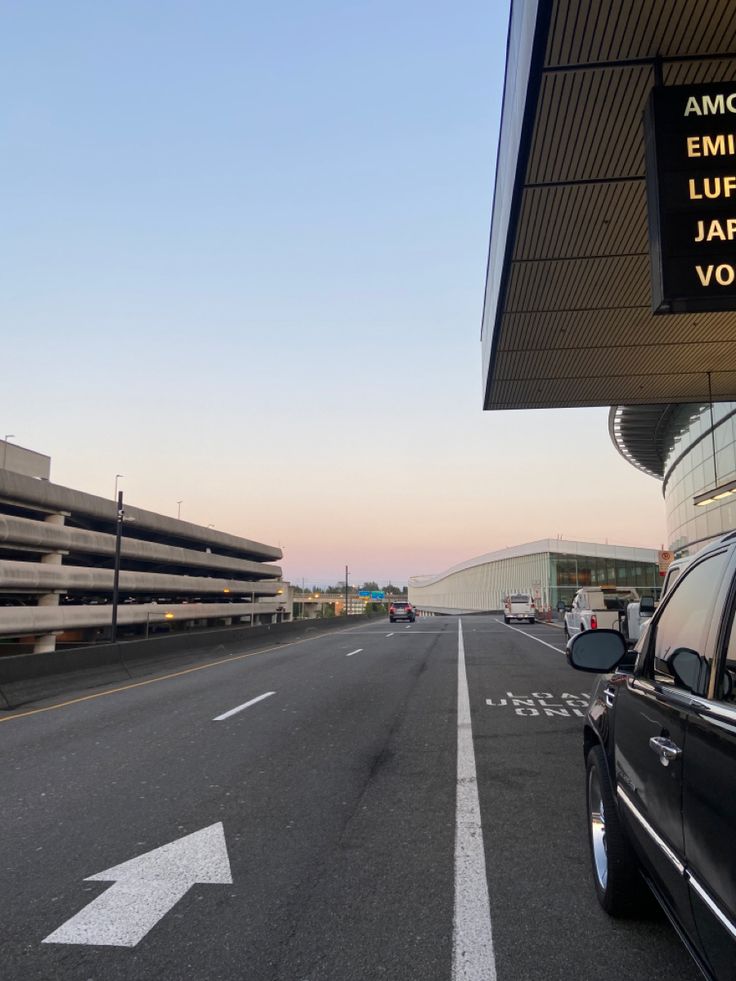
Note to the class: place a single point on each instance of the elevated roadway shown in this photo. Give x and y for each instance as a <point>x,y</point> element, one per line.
<point>320,780</point>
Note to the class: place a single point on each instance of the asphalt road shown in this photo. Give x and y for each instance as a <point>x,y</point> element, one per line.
<point>328,820</point>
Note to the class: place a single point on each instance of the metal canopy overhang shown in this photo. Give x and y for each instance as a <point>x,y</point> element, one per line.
<point>567,317</point>
<point>639,433</point>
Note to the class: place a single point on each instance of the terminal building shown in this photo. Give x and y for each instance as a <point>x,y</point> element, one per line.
<point>691,448</point>
<point>550,570</point>
<point>611,277</point>
<point>57,561</point>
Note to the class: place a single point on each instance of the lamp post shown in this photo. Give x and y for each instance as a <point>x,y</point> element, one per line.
<point>346,590</point>
<point>117,478</point>
<point>178,509</point>
<point>116,573</point>
<point>5,447</point>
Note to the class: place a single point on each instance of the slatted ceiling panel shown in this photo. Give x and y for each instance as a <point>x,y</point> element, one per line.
<point>574,140</point>
<point>598,362</point>
<point>705,29</point>
<point>583,219</point>
<point>616,390</point>
<point>579,284</point>
<point>590,31</point>
<point>569,330</point>
<point>689,72</point>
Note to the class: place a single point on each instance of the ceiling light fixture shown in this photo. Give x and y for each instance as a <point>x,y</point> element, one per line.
<point>716,494</point>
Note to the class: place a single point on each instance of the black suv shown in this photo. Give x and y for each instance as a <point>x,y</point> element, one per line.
<point>660,751</point>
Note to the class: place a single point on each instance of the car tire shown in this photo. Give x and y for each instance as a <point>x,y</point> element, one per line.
<point>391,620</point>
<point>532,620</point>
<point>618,883</point>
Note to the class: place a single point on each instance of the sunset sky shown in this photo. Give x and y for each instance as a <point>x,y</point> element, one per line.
<point>243,265</point>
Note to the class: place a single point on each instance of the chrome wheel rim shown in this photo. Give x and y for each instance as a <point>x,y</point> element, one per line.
<point>597,828</point>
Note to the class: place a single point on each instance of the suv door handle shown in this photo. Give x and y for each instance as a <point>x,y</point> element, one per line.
<point>665,749</point>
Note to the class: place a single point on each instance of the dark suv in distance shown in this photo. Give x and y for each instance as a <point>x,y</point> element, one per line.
<point>401,611</point>
<point>660,752</point>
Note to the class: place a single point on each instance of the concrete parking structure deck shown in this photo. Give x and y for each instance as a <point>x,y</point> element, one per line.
<point>57,549</point>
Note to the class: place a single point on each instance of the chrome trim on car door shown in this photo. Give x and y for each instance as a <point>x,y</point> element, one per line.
<point>625,799</point>
<point>711,904</point>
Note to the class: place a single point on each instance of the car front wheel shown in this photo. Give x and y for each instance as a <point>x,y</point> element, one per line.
<point>620,888</point>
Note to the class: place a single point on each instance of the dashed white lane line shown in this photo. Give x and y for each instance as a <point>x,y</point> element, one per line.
<point>473,958</point>
<point>245,705</point>
<point>560,650</point>
<point>389,635</point>
<point>354,652</point>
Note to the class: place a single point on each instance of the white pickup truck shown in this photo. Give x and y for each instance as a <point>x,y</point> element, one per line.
<point>598,607</point>
<point>639,612</point>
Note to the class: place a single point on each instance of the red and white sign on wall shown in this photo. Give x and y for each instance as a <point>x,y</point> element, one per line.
<point>665,558</point>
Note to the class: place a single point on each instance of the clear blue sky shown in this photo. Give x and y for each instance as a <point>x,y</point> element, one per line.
<point>243,262</point>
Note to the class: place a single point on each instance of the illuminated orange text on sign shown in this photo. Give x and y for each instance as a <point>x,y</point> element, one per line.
<point>691,189</point>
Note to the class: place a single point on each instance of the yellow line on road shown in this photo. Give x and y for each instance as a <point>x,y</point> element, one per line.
<point>163,677</point>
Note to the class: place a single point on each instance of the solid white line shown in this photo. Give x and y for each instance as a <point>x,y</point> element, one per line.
<point>472,937</point>
<point>354,652</point>
<point>245,705</point>
<point>560,650</point>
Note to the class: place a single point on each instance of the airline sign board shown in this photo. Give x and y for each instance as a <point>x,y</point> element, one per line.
<point>691,190</point>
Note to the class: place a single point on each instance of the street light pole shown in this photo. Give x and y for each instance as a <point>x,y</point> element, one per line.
<point>117,478</point>
<point>116,572</point>
<point>178,510</point>
<point>346,590</point>
<point>5,447</point>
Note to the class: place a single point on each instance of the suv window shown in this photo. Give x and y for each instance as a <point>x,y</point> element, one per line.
<point>679,643</point>
<point>726,688</point>
<point>672,576</point>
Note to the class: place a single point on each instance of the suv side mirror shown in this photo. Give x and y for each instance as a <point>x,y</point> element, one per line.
<point>690,669</point>
<point>646,606</point>
<point>597,651</point>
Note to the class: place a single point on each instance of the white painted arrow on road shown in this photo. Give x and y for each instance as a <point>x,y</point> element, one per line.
<point>146,888</point>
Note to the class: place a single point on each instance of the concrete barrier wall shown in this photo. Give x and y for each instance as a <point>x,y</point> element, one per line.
<point>15,621</point>
<point>28,678</point>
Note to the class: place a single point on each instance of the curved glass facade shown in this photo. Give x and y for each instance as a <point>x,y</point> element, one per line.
<point>689,470</point>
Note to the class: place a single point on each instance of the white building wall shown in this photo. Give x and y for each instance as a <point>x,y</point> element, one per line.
<point>482,587</point>
<point>480,584</point>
